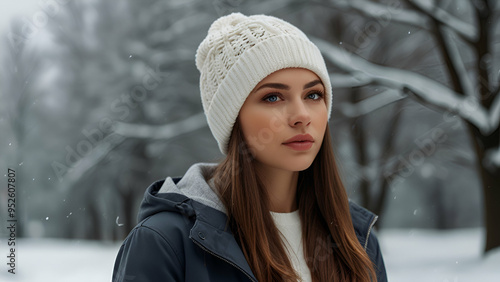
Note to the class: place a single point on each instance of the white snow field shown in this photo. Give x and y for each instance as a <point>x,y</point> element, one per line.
<point>410,255</point>
<point>438,256</point>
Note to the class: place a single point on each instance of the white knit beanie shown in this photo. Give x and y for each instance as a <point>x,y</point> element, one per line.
<point>238,53</point>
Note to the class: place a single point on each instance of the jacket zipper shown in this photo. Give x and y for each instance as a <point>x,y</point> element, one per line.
<point>370,230</point>
<point>222,258</point>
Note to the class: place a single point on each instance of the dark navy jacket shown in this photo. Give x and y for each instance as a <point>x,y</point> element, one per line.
<point>182,236</point>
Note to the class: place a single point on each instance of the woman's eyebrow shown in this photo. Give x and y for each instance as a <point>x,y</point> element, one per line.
<point>312,83</point>
<point>286,87</point>
<point>273,85</point>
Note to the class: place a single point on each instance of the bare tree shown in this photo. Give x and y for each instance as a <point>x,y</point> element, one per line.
<point>467,47</point>
<point>120,71</point>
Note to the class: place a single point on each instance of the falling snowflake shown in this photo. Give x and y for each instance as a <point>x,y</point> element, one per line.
<point>119,224</point>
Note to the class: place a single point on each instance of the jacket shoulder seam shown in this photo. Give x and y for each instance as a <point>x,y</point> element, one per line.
<point>144,227</point>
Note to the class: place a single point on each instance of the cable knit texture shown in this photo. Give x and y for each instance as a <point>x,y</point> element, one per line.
<point>238,53</point>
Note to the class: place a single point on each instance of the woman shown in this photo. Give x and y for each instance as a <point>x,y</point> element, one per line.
<point>275,208</point>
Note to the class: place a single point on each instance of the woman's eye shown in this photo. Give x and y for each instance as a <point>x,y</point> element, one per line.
<point>271,98</point>
<point>315,96</point>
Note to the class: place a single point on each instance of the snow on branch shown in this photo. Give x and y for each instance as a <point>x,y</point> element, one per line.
<point>371,104</point>
<point>457,61</point>
<point>163,131</point>
<point>184,25</point>
<point>382,12</point>
<point>68,176</point>
<point>394,12</point>
<point>426,89</point>
<point>464,29</point>
<point>73,174</point>
<point>349,80</point>
<point>495,112</point>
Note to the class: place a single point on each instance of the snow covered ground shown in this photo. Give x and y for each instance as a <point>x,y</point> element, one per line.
<point>52,260</point>
<point>439,256</point>
<point>410,255</point>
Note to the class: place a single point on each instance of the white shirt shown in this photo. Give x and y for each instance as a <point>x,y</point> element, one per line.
<point>291,230</point>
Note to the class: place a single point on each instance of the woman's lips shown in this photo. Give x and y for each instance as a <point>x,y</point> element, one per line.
<point>301,142</point>
<point>300,145</point>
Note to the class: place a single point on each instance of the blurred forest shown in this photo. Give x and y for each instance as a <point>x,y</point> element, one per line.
<point>101,98</point>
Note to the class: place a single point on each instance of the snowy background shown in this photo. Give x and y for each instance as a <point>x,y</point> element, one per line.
<point>415,123</point>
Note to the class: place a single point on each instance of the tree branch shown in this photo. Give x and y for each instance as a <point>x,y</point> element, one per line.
<point>164,131</point>
<point>381,12</point>
<point>428,90</point>
<point>370,104</point>
<point>458,65</point>
<point>122,132</point>
<point>85,164</point>
<point>467,31</point>
<point>349,80</point>
<point>384,13</point>
<point>177,28</point>
<point>495,112</point>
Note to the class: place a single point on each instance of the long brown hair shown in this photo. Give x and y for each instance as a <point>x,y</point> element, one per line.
<point>331,248</point>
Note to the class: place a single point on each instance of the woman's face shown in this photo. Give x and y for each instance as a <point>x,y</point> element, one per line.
<point>284,119</point>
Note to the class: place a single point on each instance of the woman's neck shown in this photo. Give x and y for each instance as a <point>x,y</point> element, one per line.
<point>281,186</point>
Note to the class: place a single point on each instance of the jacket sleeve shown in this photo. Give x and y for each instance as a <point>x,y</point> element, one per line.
<point>147,256</point>
<point>373,250</point>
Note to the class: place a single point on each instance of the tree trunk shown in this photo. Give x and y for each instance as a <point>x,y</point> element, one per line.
<point>130,212</point>
<point>490,180</point>
<point>490,177</point>
<point>379,204</point>
<point>94,232</point>
<point>491,187</point>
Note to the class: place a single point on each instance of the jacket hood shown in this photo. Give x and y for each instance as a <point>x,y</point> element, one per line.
<point>188,195</point>
<point>201,208</point>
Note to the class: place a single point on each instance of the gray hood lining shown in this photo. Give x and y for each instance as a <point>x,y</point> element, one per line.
<point>195,185</point>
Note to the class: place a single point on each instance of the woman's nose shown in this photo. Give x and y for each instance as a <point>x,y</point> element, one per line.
<point>299,114</point>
